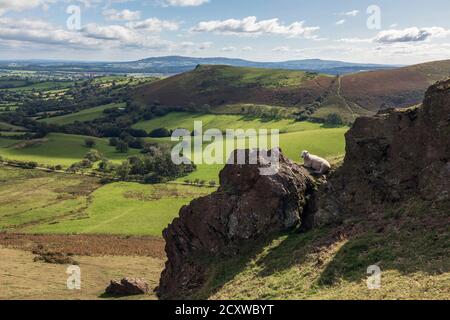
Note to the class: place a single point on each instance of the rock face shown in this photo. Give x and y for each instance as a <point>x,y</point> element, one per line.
<point>246,207</point>
<point>393,156</point>
<point>127,287</point>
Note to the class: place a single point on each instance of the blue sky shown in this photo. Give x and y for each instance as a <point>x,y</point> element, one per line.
<point>399,32</point>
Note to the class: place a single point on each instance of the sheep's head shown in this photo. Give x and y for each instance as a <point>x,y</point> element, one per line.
<point>305,154</point>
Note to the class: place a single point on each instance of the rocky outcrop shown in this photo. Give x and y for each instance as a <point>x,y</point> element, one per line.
<point>247,207</point>
<point>393,156</point>
<point>127,287</point>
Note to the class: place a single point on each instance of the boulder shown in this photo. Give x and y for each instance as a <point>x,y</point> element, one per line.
<point>247,207</point>
<point>394,156</point>
<point>127,287</point>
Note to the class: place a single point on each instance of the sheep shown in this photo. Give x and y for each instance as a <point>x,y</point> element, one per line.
<point>320,165</point>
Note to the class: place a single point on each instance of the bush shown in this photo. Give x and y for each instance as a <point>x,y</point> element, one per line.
<point>152,178</point>
<point>93,155</point>
<point>30,165</point>
<point>113,142</point>
<point>334,119</point>
<point>122,147</point>
<point>212,183</point>
<point>90,143</point>
<point>160,133</point>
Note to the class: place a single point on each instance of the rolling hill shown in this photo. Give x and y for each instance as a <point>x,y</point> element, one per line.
<point>179,64</point>
<point>350,96</point>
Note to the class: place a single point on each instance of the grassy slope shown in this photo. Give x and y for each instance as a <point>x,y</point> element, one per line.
<point>358,94</point>
<point>57,149</point>
<point>23,279</point>
<point>176,120</point>
<point>396,88</point>
<point>222,85</point>
<point>326,142</point>
<point>82,116</point>
<point>128,209</point>
<point>57,203</point>
<point>409,243</point>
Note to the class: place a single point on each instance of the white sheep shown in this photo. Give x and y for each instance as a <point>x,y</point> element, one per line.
<point>320,165</point>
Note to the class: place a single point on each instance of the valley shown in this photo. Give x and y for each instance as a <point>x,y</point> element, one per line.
<point>84,160</point>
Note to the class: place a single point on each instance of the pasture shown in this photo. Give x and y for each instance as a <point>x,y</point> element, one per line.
<point>176,120</point>
<point>83,115</point>
<point>57,149</point>
<point>55,203</point>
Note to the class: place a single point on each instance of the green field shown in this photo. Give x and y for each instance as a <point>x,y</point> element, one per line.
<point>185,120</point>
<point>295,137</point>
<point>62,203</point>
<point>57,149</point>
<point>9,127</point>
<point>82,116</point>
<point>47,85</point>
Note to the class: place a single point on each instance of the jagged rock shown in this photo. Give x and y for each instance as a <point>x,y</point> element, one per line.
<point>247,207</point>
<point>393,156</point>
<point>127,287</point>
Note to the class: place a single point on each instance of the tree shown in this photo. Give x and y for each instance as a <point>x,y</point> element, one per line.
<point>93,155</point>
<point>122,147</point>
<point>89,143</point>
<point>113,142</point>
<point>160,133</point>
<point>334,119</point>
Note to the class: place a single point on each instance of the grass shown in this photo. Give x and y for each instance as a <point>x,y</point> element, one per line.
<point>23,279</point>
<point>244,76</point>
<point>57,149</point>
<point>411,248</point>
<point>328,143</point>
<point>44,86</point>
<point>185,120</point>
<point>82,116</point>
<point>9,127</point>
<point>52,203</point>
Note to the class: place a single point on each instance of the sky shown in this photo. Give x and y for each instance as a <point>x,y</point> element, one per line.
<point>375,31</point>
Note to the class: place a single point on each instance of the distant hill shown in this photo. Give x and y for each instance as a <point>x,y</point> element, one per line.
<point>177,64</point>
<point>315,94</point>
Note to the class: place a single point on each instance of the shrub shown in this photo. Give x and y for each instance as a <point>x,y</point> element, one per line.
<point>160,133</point>
<point>113,142</point>
<point>122,147</point>
<point>334,119</point>
<point>93,155</point>
<point>90,143</point>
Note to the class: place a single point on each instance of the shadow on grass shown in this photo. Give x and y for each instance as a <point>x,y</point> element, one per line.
<point>408,244</point>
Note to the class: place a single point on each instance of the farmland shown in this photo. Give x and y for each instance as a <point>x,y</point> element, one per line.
<point>57,149</point>
<point>82,116</point>
<point>69,204</point>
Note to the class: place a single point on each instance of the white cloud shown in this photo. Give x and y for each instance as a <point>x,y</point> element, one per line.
<point>21,5</point>
<point>413,34</point>
<point>123,15</point>
<point>229,49</point>
<point>91,36</point>
<point>340,22</point>
<point>251,27</point>
<point>247,48</point>
<point>352,13</point>
<point>281,49</point>
<point>154,25</point>
<point>185,3</point>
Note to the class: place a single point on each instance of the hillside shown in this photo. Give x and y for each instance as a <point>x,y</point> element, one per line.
<point>386,207</point>
<point>401,87</point>
<point>222,85</point>
<point>315,95</point>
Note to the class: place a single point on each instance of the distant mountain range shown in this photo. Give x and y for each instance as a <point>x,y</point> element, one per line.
<point>170,65</point>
